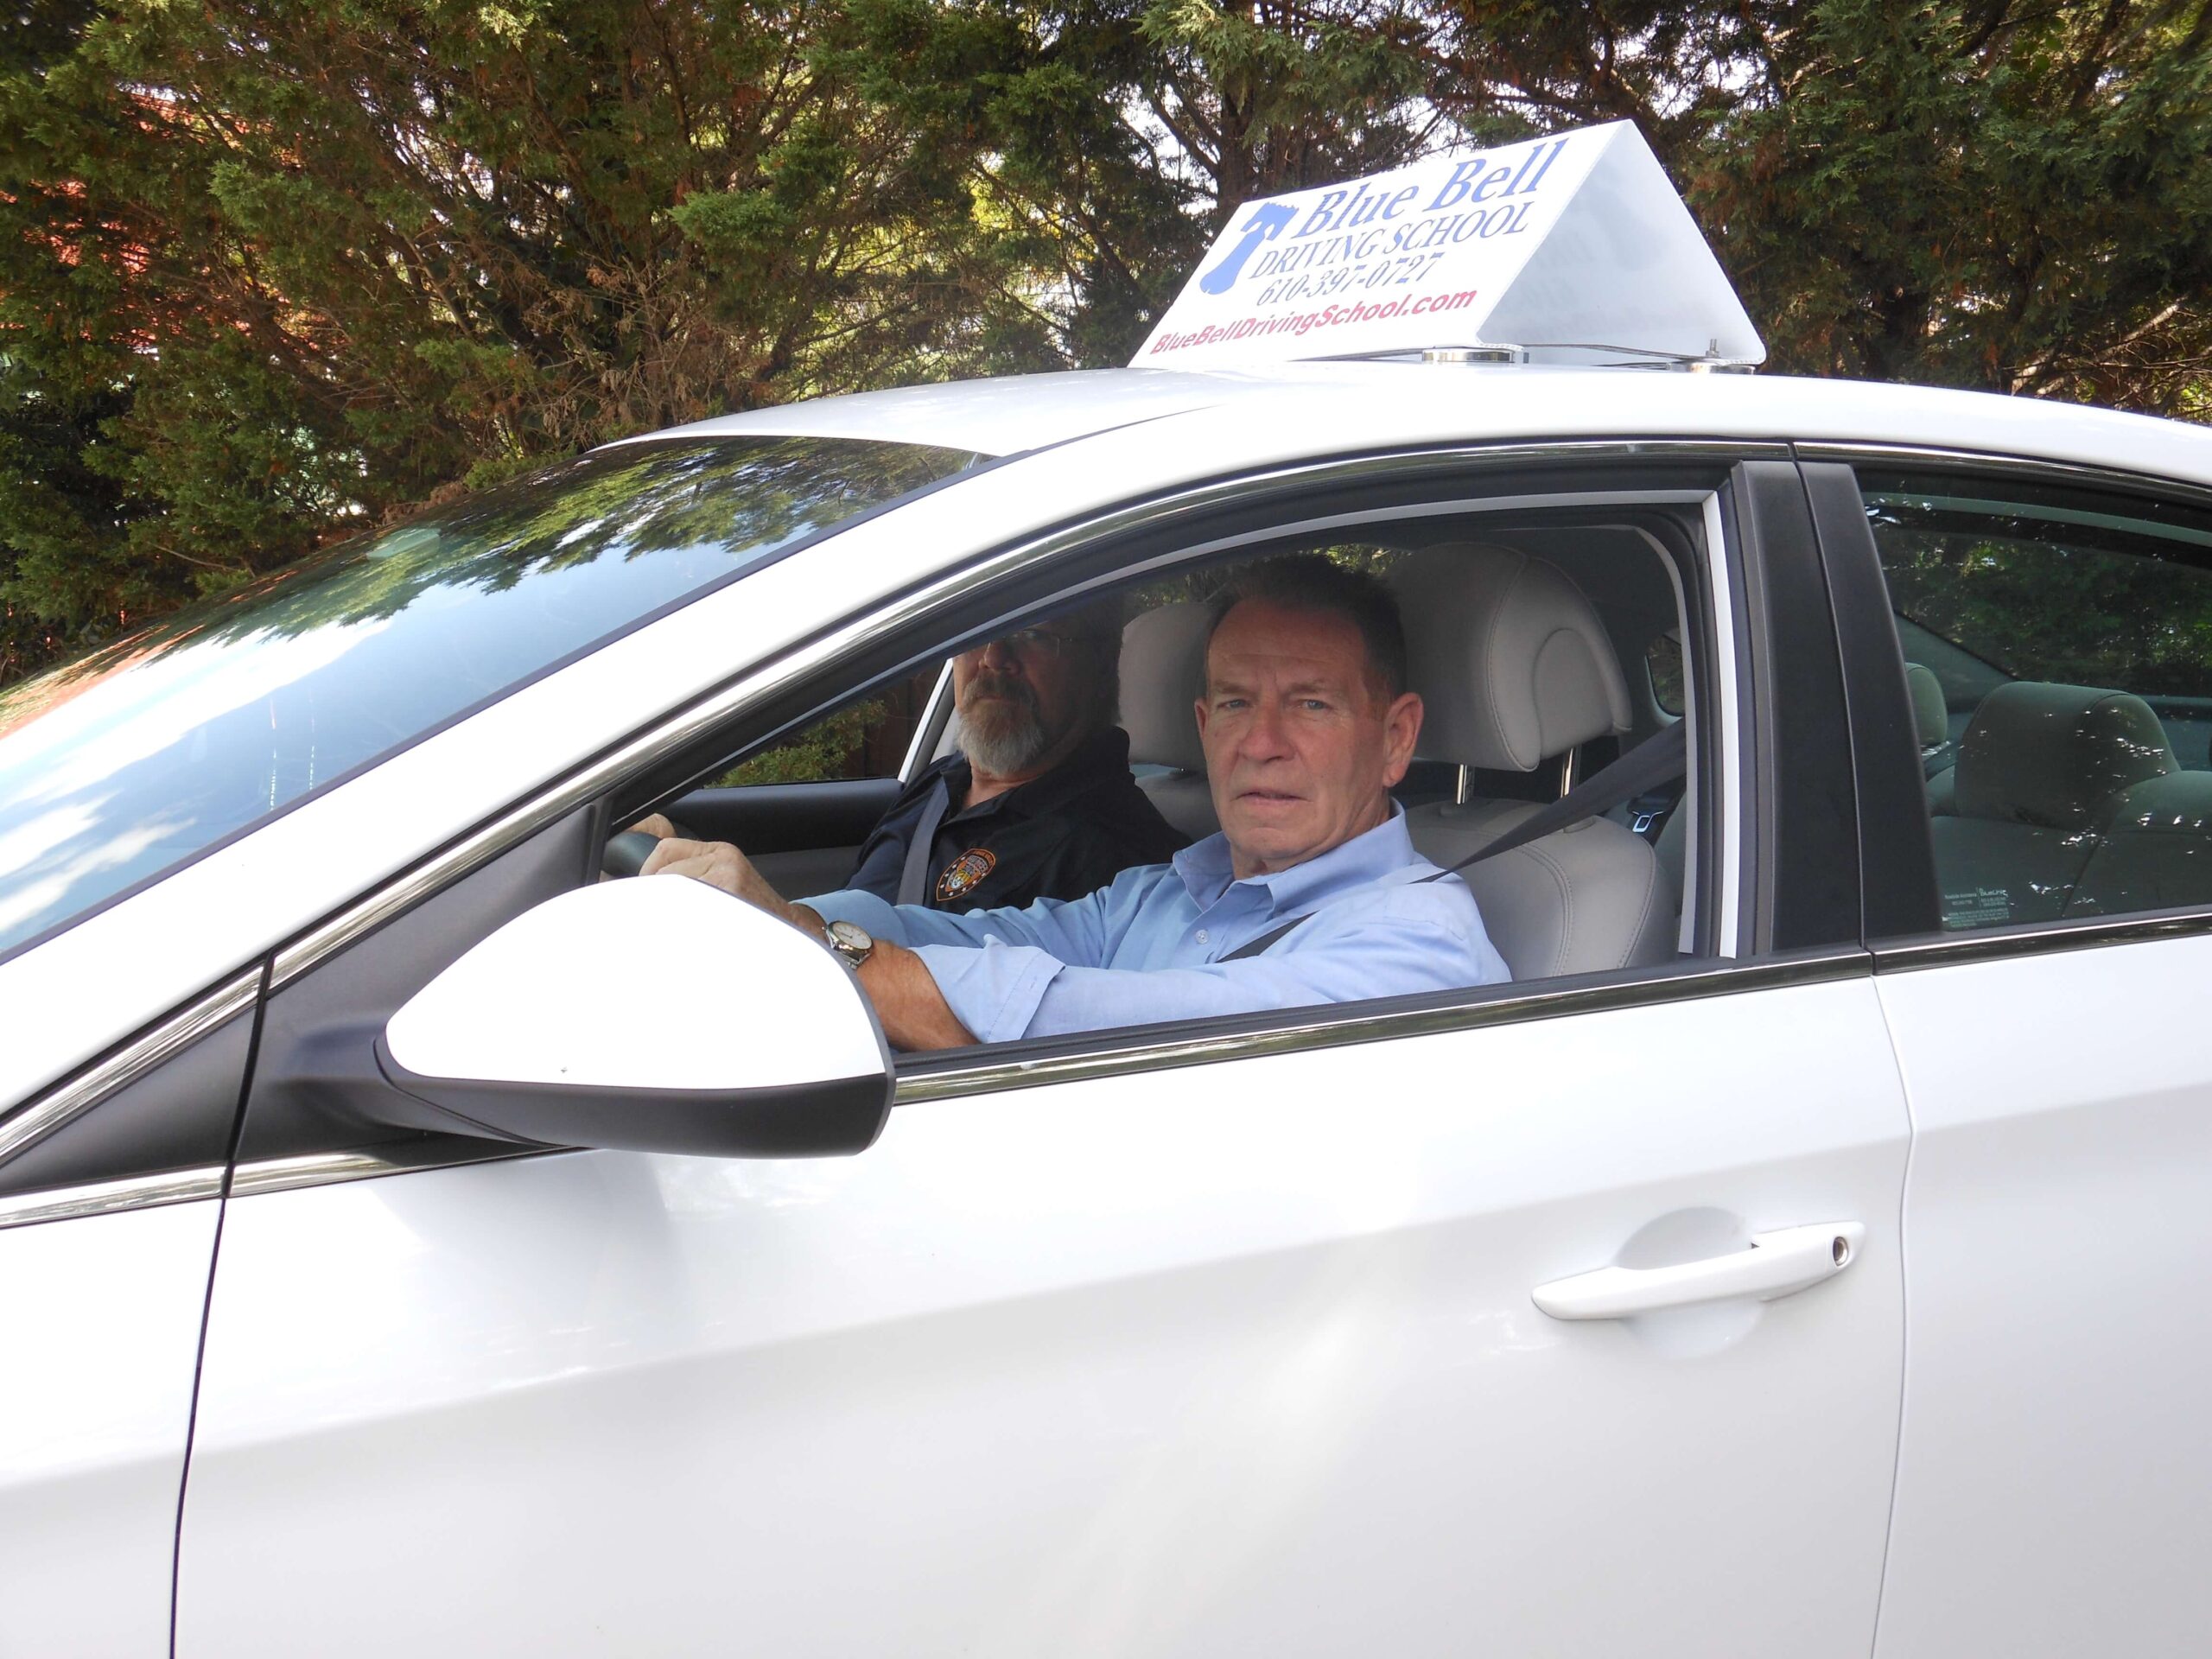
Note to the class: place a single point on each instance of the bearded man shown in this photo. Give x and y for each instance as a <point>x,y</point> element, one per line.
<point>1038,803</point>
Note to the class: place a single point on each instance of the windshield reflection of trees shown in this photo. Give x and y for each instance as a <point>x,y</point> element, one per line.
<point>745,494</point>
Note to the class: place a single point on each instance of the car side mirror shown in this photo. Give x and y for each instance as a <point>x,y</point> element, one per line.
<point>652,1015</point>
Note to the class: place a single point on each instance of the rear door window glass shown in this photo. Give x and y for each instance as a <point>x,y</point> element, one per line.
<point>2069,636</point>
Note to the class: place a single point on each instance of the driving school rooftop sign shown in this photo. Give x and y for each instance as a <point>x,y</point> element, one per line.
<point>1573,240</point>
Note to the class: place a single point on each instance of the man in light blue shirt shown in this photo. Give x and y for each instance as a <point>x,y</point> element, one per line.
<point>1311,893</point>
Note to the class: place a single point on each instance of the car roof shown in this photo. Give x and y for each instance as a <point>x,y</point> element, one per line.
<point>1348,405</point>
<point>1006,416</point>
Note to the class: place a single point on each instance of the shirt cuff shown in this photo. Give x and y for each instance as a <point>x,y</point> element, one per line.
<point>993,991</point>
<point>864,909</point>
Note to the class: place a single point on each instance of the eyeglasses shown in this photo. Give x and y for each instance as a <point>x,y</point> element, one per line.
<point>1040,642</point>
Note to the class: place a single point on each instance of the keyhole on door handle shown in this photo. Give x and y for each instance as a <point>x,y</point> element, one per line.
<point>1841,1250</point>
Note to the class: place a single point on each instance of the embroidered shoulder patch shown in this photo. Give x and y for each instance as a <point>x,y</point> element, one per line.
<point>965,871</point>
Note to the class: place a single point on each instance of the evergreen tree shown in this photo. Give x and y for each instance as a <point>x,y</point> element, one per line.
<point>276,268</point>
<point>1994,194</point>
<point>271,271</point>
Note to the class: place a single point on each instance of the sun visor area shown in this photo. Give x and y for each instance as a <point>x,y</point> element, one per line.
<point>1552,247</point>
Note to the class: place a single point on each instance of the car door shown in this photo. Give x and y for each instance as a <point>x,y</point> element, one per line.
<point>1180,1340</point>
<point>111,1187</point>
<point>2044,1004</point>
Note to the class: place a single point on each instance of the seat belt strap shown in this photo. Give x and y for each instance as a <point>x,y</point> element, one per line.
<point>914,873</point>
<point>1657,760</point>
<point>1257,945</point>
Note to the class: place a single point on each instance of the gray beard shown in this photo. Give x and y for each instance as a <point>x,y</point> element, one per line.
<point>1009,742</point>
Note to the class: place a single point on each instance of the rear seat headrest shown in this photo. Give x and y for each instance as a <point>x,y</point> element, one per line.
<point>1163,669</point>
<point>1931,715</point>
<point>2053,756</point>
<point>1509,657</point>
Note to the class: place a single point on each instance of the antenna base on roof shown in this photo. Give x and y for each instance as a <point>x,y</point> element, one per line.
<point>1474,354</point>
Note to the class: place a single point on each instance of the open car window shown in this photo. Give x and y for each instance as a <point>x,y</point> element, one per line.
<point>1609,896</point>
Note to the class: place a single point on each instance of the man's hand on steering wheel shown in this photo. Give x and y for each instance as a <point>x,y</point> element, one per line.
<point>907,999</point>
<point>719,865</point>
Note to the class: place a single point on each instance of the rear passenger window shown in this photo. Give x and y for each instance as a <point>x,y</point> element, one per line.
<point>2059,648</point>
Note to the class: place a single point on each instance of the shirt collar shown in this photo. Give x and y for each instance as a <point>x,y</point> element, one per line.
<point>1207,873</point>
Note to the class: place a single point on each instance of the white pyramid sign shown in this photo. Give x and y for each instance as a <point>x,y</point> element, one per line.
<point>1574,241</point>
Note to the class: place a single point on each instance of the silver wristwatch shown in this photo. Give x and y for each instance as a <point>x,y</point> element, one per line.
<point>852,942</point>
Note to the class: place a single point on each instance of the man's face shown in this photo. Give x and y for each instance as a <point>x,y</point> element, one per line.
<point>1029,698</point>
<point>1301,748</point>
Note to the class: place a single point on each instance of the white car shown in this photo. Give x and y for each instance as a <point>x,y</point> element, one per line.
<point>1804,1255</point>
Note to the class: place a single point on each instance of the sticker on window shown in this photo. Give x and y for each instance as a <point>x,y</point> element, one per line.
<point>1977,907</point>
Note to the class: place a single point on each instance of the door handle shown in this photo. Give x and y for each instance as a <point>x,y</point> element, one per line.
<point>1776,1264</point>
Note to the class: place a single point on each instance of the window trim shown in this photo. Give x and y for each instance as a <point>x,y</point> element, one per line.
<point>1912,952</point>
<point>1898,890</point>
<point>1802,884</point>
<point>929,730</point>
<point>63,1104</point>
<point>1161,1048</point>
<point>2078,475</point>
<point>1899,953</point>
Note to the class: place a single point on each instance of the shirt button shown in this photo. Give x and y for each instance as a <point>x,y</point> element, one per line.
<point>1202,936</point>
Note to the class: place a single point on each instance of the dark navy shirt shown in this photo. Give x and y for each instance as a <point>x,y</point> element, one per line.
<point>1060,836</point>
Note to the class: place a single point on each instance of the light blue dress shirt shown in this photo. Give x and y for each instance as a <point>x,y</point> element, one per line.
<point>1150,945</point>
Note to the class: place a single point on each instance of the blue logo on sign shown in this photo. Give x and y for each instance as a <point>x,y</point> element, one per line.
<point>1265,224</point>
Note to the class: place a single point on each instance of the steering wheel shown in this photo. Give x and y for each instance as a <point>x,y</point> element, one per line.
<point>625,853</point>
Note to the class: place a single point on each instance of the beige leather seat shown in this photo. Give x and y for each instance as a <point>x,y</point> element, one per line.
<point>1163,669</point>
<point>1514,668</point>
<point>2042,770</point>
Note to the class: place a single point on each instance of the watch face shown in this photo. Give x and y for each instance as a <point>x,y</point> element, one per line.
<point>851,935</point>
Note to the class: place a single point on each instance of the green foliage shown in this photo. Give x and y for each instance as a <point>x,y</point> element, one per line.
<point>829,748</point>
<point>2003,195</point>
<point>273,271</point>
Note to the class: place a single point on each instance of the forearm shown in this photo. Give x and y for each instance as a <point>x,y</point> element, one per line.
<point>914,1012</point>
<point>1004,995</point>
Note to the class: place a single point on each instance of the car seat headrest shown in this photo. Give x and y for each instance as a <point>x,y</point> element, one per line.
<point>1931,716</point>
<point>1510,660</point>
<point>1163,670</point>
<point>2053,756</point>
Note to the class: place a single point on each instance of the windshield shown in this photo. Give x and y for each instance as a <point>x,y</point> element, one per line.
<point>130,761</point>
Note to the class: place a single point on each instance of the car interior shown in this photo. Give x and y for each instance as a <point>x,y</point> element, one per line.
<point>1530,646</point>
<point>2073,782</point>
<point>2049,801</point>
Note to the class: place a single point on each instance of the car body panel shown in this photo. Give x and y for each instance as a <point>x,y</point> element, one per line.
<point>2052,1477</point>
<point>103,1321</point>
<point>1101,1367</point>
<point>1309,409</point>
